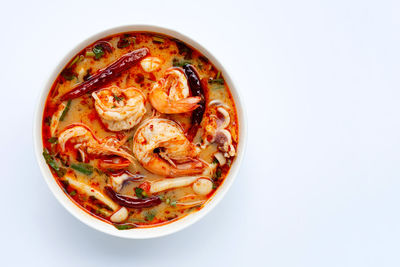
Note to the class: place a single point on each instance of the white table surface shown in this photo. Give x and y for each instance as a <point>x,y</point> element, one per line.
<point>319,185</point>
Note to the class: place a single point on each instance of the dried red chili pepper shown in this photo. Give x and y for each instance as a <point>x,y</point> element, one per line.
<point>197,90</point>
<point>107,74</point>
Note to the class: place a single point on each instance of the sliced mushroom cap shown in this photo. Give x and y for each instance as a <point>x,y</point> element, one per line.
<point>169,183</point>
<point>220,157</point>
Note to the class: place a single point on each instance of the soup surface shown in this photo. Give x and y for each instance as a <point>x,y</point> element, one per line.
<point>139,129</point>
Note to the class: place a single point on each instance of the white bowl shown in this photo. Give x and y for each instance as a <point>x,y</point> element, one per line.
<point>139,233</point>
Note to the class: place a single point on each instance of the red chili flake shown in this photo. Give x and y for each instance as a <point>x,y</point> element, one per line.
<point>153,77</point>
<point>145,186</point>
<point>92,115</point>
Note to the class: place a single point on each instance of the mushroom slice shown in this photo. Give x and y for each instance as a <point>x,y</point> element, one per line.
<point>169,183</point>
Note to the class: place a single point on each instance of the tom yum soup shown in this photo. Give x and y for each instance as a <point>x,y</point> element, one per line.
<point>139,129</point>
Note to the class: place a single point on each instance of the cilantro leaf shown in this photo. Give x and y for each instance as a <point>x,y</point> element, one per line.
<point>98,51</point>
<point>139,192</point>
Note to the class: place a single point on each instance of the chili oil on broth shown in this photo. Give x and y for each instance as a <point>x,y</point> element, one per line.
<point>81,110</point>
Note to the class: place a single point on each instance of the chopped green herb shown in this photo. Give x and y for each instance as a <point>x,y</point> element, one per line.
<point>180,63</point>
<point>218,75</point>
<point>53,164</point>
<point>53,140</point>
<point>140,193</point>
<point>63,161</point>
<point>68,74</point>
<point>98,51</point>
<point>65,110</point>
<point>167,200</point>
<point>102,212</point>
<point>216,81</point>
<point>76,60</point>
<point>61,172</point>
<point>126,41</point>
<point>149,216</point>
<point>47,121</point>
<point>124,226</point>
<point>158,39</point>
<point>217,173</point>
<point>214,186</point>
<point>90,54</point>
<point>173,203</point>
<point>132,40</point>
<point>183,49</point>
<point>118,98</point>
<point>83,168</point>
<point>73,193</point>
<point>123,43</point>
<point>215,161</point>
<point>161,198</point>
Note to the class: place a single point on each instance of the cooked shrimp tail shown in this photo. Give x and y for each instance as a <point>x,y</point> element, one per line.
<point>162,148</point>
<point>170,94</point>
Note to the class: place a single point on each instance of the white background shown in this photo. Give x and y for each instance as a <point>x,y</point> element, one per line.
<point>319,185</point>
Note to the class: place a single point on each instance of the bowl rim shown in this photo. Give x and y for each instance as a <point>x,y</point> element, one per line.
<point>95,223</point>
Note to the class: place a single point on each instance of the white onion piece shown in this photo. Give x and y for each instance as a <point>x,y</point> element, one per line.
<point>227,118</point>
<point>218,102</point>
<point>220,157</point>
<point>120,215</point>
<point>90,191</point>
<point>202,186</point>
<point>81,74</point>
<point>168,183</point>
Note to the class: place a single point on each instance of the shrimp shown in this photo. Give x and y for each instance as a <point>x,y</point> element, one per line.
<point>83,139</point>
<point>170,94</point>
<point>162,148</point>
<point>150,64</point>
<point>120,109</point>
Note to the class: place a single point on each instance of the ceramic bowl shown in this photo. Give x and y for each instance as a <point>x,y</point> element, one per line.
<point>138,233</point>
